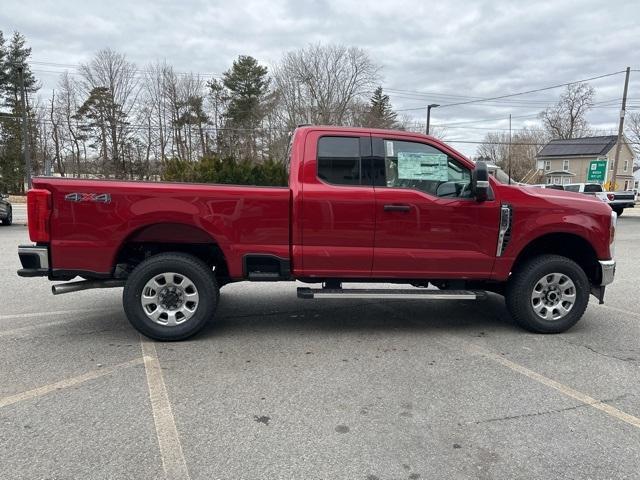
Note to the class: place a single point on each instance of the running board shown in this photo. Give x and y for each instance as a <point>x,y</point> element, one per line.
<point>397,294</point>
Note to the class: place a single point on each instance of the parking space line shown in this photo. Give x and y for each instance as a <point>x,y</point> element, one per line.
<point>620,310</point>
<point>560,387</point>
<point>58,312</point>
<point>173,462</point>
<point>14,331</point>
<point>66,383</point>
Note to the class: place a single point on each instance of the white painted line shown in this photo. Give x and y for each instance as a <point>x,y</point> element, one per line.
<point>173,462</point>
<point>620,310</point>
<point>66,383</point>
<point>560,387</point>
<point>19,330</point>
<point>56,312</point>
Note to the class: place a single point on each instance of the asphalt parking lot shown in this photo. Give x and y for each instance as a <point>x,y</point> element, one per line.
<point>281,388</point>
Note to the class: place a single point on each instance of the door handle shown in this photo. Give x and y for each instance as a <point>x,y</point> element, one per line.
<point>397,208</point>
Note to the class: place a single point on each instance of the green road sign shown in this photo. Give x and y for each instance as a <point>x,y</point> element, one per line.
<point>597,171</point>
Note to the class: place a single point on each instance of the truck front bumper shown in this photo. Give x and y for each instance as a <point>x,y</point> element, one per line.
<point>608,271</point>
<point>34,260</point>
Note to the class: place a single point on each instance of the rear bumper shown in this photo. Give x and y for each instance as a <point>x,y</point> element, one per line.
<point>34,260</point>
<point>608,271</point>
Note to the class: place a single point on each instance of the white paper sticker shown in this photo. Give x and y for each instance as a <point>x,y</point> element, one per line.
<point>423,166</point>
<point>389,148</point>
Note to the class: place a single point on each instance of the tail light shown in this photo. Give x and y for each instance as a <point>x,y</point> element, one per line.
<point>611,196</point>
<point>38,212</point>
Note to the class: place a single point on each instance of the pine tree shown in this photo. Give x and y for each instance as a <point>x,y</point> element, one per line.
<point>13,59</point>
<point>380,114</point>
<point>247,84</point>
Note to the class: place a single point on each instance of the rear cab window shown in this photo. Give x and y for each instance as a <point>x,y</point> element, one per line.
<point>339,160</point>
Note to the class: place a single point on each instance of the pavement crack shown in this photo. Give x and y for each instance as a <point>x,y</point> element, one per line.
<point>546,412</point>
<point>598,352</point>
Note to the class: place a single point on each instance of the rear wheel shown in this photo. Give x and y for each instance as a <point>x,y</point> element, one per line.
<point>548,294</point>
<point>170,296</point>
<point>8,220</point>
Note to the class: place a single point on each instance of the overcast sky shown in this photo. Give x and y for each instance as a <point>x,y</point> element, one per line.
<point>450,50</point>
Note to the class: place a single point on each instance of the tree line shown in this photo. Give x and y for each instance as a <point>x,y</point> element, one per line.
<point>111,118</point>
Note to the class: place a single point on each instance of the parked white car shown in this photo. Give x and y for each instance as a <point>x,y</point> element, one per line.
<point>618,201</point>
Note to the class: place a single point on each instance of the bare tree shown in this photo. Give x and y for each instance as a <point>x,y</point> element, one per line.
<point>110,85</point>
<point>515,156</point>
<point>633,132</point>
<point>321,83</point>
<point>567,119</point>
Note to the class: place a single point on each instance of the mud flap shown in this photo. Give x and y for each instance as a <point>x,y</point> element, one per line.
<point>598,292</point>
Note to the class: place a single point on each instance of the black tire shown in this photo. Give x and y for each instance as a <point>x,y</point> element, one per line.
<point>180,263</point>
<point>8,220</point>
<point>521,287</point>
<point>618,210</point>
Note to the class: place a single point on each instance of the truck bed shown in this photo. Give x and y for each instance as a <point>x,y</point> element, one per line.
<point>92,219</point>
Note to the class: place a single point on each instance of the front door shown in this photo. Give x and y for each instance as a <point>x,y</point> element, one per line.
<point>428,225</point>
<point>338,206</point>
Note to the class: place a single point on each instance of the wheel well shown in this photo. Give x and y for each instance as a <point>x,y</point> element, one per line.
<point>567,245</point>
<point>163,238</point>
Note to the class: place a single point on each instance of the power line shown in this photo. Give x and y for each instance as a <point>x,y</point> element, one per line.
<point>551,87</point>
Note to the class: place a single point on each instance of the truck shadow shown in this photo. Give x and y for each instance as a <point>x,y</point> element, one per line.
<point>283,312</point>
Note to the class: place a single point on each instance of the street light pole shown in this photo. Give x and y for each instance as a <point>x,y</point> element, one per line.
<point>429,107</point>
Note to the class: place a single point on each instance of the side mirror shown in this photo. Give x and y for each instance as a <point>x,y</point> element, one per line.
<point>480,181</point>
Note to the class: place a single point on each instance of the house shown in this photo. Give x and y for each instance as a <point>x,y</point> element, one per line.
<point>569,161</point>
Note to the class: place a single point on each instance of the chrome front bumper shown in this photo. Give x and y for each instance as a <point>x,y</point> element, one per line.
<point>608,270</point>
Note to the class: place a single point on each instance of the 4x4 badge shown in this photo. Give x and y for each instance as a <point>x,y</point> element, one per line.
<point>88,197</point>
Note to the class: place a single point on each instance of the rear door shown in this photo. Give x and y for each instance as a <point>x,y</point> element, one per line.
<point>428,225</point>
<point>338,216</point>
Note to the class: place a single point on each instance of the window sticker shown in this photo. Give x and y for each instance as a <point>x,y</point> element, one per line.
<point>423,166</point>
<point>389,148</point>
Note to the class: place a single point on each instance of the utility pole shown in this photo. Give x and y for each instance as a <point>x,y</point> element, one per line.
<point>509,150</point>
<point>612,183</point>
<point>25,141</point>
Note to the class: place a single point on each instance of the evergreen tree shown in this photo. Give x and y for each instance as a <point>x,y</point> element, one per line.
<point>15,58</point>
<point>102,118</point>
<point>247,85</point>
<point>380,113</point>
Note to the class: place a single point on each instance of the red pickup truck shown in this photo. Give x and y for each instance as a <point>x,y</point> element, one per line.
<point>362,205</point>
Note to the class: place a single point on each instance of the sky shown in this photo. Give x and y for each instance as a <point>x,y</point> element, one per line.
<point>429,52</point>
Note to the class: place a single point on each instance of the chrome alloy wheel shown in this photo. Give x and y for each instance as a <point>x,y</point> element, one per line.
<point>553,296</point>
<point>169,299</point>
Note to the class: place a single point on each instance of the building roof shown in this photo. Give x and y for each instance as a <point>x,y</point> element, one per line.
<point>595,146</point>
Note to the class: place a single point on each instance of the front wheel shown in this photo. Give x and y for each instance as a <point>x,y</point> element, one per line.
<point>618,210</point>
<point>170,296</point>
<point>548,294</point>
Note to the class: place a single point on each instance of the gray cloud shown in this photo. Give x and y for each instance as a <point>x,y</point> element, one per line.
<point>465,48</point>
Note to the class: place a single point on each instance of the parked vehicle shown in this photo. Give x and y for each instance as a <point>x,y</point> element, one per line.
<point>362,205</point>
<point>553,186</point>
<point>618,201</point>
<point>6,210</point>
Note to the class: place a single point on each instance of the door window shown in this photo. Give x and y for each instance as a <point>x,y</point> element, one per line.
<point>339,160</point>
<point>421,167</point>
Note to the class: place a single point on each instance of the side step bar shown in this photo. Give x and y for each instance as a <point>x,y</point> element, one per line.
<point>398,294</point>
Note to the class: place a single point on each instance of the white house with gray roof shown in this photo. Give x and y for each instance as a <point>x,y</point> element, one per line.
<point>568,161</point>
